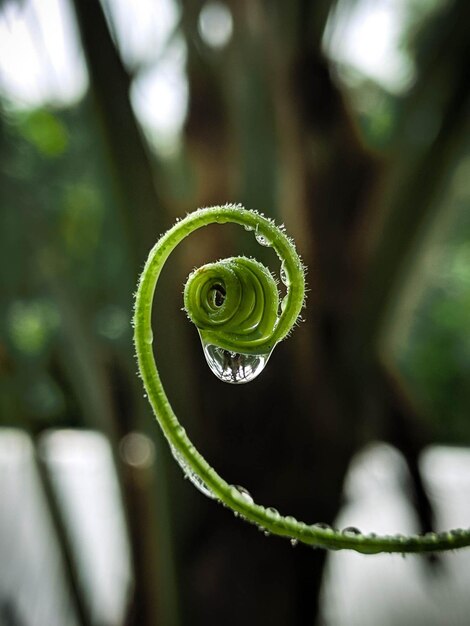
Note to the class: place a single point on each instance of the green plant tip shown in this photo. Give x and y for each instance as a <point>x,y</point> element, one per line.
<point>236,307</point>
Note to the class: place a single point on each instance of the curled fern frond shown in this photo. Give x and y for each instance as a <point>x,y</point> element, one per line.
<point>236,307</point>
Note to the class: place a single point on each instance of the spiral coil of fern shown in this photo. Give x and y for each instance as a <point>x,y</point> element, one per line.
<point>235,303</point>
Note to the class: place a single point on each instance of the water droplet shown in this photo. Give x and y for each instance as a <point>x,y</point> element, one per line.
<point>323,526</point>
<point>180,432</point>
<point>272,512</point>
<point>221,219</point>
<point>188,473</point>
<point>149,336</point>
<point>262,240</point>
<point>283,272</point>
<point>294,542</point>
<point>351,530</point>
<point>266,533</point>
<point>234,367</point>
<point>283,304</point>
<point>244,493</point>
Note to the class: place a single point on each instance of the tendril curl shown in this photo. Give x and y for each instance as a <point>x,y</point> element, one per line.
<point>235,305</point>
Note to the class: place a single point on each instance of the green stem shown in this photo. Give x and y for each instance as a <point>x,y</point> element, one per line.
<point>191,460</point>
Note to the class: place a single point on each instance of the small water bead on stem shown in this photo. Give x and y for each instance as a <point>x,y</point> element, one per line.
<point>262,240</point>
<point>273,513</point>
<point>246,495</point>
<point>240,497</point>
<point>190,475</point>
<point>290,522</point>
<point>351,530</point>
<point>283,274</point>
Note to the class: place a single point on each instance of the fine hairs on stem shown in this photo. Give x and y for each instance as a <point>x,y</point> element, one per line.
<point>236,307</point>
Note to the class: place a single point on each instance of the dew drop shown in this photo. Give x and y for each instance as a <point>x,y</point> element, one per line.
<point>294,542</point>
<point>188,473</point>
<point>273,513</point>
<point>283,273</point>
<point>244,493</point>
<point>234,367</point>
<point>323,526</point>
<point>442,536</point>
<point>149,336</point>
<point>262,240</point>
<point>351,530</point>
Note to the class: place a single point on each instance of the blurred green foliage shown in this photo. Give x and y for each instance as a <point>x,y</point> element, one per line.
<point>61,243</point>
<point>436,355</point>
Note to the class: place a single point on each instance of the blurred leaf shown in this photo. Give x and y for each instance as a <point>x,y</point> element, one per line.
<point>45,132</point>
<point>31,324</point>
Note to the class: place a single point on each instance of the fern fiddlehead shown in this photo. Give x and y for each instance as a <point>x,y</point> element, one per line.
<point>236,307</point>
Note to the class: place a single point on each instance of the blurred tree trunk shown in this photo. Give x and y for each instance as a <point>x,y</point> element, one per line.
<point>132,171</point>
<point>139,210</point>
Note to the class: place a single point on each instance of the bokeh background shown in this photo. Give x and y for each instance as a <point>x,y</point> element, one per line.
<point>347,120</point>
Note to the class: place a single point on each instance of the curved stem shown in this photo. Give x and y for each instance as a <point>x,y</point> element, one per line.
<point>269,519</point>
